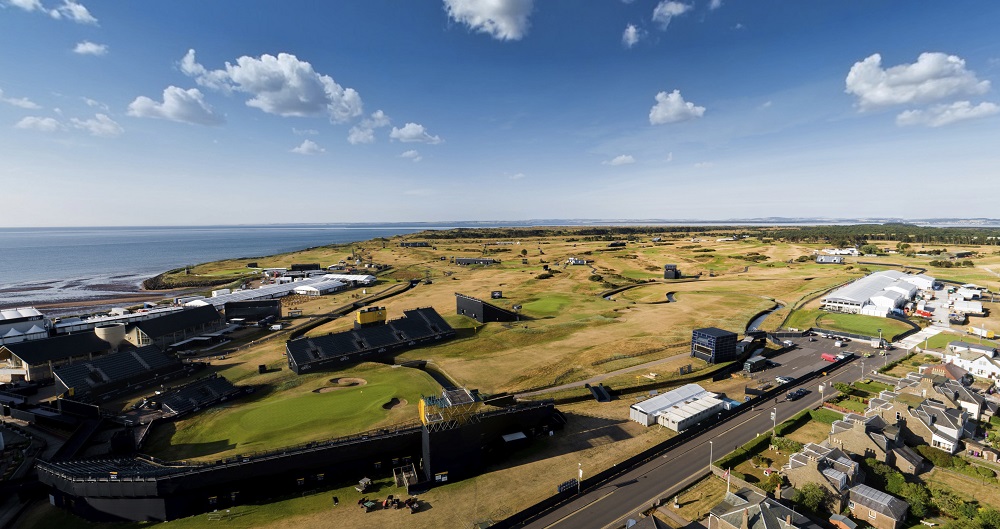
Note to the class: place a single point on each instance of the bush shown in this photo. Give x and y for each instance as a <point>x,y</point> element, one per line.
<point>543,275</point>
<point>596,278</point>
<point>937,457</point>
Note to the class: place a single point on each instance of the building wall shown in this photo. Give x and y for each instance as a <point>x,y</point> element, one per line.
<point>873,518</point>
<point>713,349</point>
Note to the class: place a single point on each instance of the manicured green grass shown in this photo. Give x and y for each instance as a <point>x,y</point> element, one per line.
<point>826,416</point>
<point>940,341</point>
<point>293,415</point>
<point>867,325</point>
<point>803,319</point>
<point>547,305</point>
<point>872,387</point>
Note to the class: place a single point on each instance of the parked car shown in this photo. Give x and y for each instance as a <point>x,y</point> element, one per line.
<point>783,380</point>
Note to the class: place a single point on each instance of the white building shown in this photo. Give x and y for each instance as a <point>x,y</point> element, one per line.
<point>319,289</point>
<point>978,360</point>
<point>841,251</point>
<point>677,409</point>
<point>21,324</point>
<point>352,279</point>
<point>967,307</point>
<point>922,281</point>
<point>876,294</point>
<point>969,293</point>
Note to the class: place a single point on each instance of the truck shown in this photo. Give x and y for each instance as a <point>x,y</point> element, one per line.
<point>982,333</point>
<point>829,357</point>
<point>757,363</point>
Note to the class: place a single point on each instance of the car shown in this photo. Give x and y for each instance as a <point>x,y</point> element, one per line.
<point>783,380</point>
<point>797,394</point>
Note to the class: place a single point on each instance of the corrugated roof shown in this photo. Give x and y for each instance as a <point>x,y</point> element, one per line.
<point>879,501</point>
<point>670,398</point>
<point>178,321</point>
<point>36,352</point>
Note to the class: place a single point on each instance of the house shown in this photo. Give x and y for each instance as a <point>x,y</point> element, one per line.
<point>926,421</point>
<point>953,393</point>
<point>576,261</point>
<point>677,409</point>
<point>978,360</point>
<point>829,259</point>
<point>36,359</point>
<point>948,371</point>
<point>746,509</point>
<point>649,522</point>
<point>174,327</point>
<point>983,451</point>
<point>830,468</point>
<point>842,522</point>
<point>879,509</point>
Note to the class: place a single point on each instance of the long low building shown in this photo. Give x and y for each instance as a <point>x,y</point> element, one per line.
<point>678,409</point>
<point>877,294</point>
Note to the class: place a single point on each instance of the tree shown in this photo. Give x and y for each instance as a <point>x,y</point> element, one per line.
<point>868,249</point>
<point>919,499</point>
<point>524,252</point>
<point>811,496</point>
<point>771,483</point>
<point>842,387</point>
<point>989,517</point>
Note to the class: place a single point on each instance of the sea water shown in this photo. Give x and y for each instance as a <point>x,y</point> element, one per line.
<point>40,265</point>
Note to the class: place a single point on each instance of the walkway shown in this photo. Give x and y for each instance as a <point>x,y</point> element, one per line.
<point>919,338</point>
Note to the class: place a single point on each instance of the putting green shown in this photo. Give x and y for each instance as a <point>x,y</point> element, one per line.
<point>296,415</point>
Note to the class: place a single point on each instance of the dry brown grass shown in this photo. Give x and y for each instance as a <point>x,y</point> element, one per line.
<point>696,500</point>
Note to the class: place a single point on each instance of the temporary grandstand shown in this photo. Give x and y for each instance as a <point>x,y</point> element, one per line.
<point>196,395</point>
<point>115,371</point>
<point>482,311</point>
<point>417,326</point>
<point>876,294</point>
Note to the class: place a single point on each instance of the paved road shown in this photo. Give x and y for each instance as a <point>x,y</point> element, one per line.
<point>635,491</point>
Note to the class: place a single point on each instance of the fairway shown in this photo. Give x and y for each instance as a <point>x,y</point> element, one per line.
<point>306,411</point>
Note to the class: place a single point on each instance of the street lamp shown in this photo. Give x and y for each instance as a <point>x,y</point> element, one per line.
<point>880,338</point>
<point>711,451</point>
<point>774,421</point>
<point>862,371</point>
<point>579,476</point>
<point>821,399</point>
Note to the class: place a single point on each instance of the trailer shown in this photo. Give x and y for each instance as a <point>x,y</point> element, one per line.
<point>982,333</point>
<point>757,363</point>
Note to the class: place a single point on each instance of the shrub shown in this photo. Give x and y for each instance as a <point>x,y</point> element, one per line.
<point>543,275</point>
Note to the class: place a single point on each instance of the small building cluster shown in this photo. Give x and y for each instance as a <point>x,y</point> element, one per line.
<point>877,294</point>
<point>678,409</point>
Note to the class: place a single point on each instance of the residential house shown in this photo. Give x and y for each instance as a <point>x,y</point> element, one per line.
<point>926,421</point>
<point>953,393</point>
<point>829,468</point>
<point>946,370</point>
<point>879,509</point>
<point>746,509</point>
<point>873,437</point>
<point>979,360</point>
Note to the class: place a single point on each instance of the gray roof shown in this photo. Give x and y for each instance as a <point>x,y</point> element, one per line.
<point>863,289</point>
<point>879,501</point>
<point>36,352</point>
<point>762,512</point>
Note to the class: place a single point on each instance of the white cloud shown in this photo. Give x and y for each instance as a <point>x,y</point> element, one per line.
<point>412,155</point>
<point>99,125</point>
<point>501,19</point>
<point>766,104</point>
<point>364,132</point>
<point>670,156</point>
<point>704,165</point>
<point>27,5</point>
<point>715,4</point>
<point>621,159</point>
<point>73,11</point>
<point>933,77</point>
<point>671,108</point>
<point>940,115</point>
<point>412,132</point>
<point>632,35</point>
<point>304,132</point>
<point>308,147</point>
<point>739,25</point>
<point>185,106</point>
<point>282,85</point>
<point>95,104</point>
<point>40,124</point>
<point>666,10</point>
<point>89,48</point>
<point>22,102</point>
<point>517,176</point>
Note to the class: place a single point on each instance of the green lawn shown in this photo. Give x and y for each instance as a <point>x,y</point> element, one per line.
<point>940,341</point>
<point>295,414</point>
<point>548,305</point>
<point>853,323</point>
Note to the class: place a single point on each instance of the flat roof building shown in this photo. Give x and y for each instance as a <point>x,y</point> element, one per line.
<point>713,345</point>
<point>678,409</point>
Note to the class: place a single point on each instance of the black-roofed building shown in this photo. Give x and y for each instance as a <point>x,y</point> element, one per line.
<point>414,244</point>
<point>253,310</point>
<point>713,345</point>
<point>36,359</point>
<point>482,311</point>
<point>878,509</point>
<point>174,327</point>
<point>416,327</point>
<point>468,261</point>
<point>670,271</point>
<point>746,509</point>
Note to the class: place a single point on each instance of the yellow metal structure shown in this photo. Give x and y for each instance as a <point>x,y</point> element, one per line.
<point>371,315</point>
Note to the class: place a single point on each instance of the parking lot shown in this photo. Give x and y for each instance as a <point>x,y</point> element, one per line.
<point>805,357</point>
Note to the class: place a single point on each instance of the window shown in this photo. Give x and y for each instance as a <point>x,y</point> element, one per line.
<point>871,514</point>
<point>850,504</point>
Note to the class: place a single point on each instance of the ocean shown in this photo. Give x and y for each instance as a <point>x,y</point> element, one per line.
<point>39,265</point>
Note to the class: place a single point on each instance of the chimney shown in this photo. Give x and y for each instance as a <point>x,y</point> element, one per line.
<point>788,520</point>
<point>745,524</point>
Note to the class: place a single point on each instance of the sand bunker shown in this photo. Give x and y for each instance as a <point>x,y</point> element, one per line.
<point>342,383</point>
<point>394,403</point>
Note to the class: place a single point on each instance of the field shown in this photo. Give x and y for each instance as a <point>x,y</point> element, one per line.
<point>298,410</point>
<point>570,332</point>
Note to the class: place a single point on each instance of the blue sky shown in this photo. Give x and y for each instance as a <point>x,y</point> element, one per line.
<point>191,112</point>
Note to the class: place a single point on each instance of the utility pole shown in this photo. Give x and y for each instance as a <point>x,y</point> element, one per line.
<point>711,451</point>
